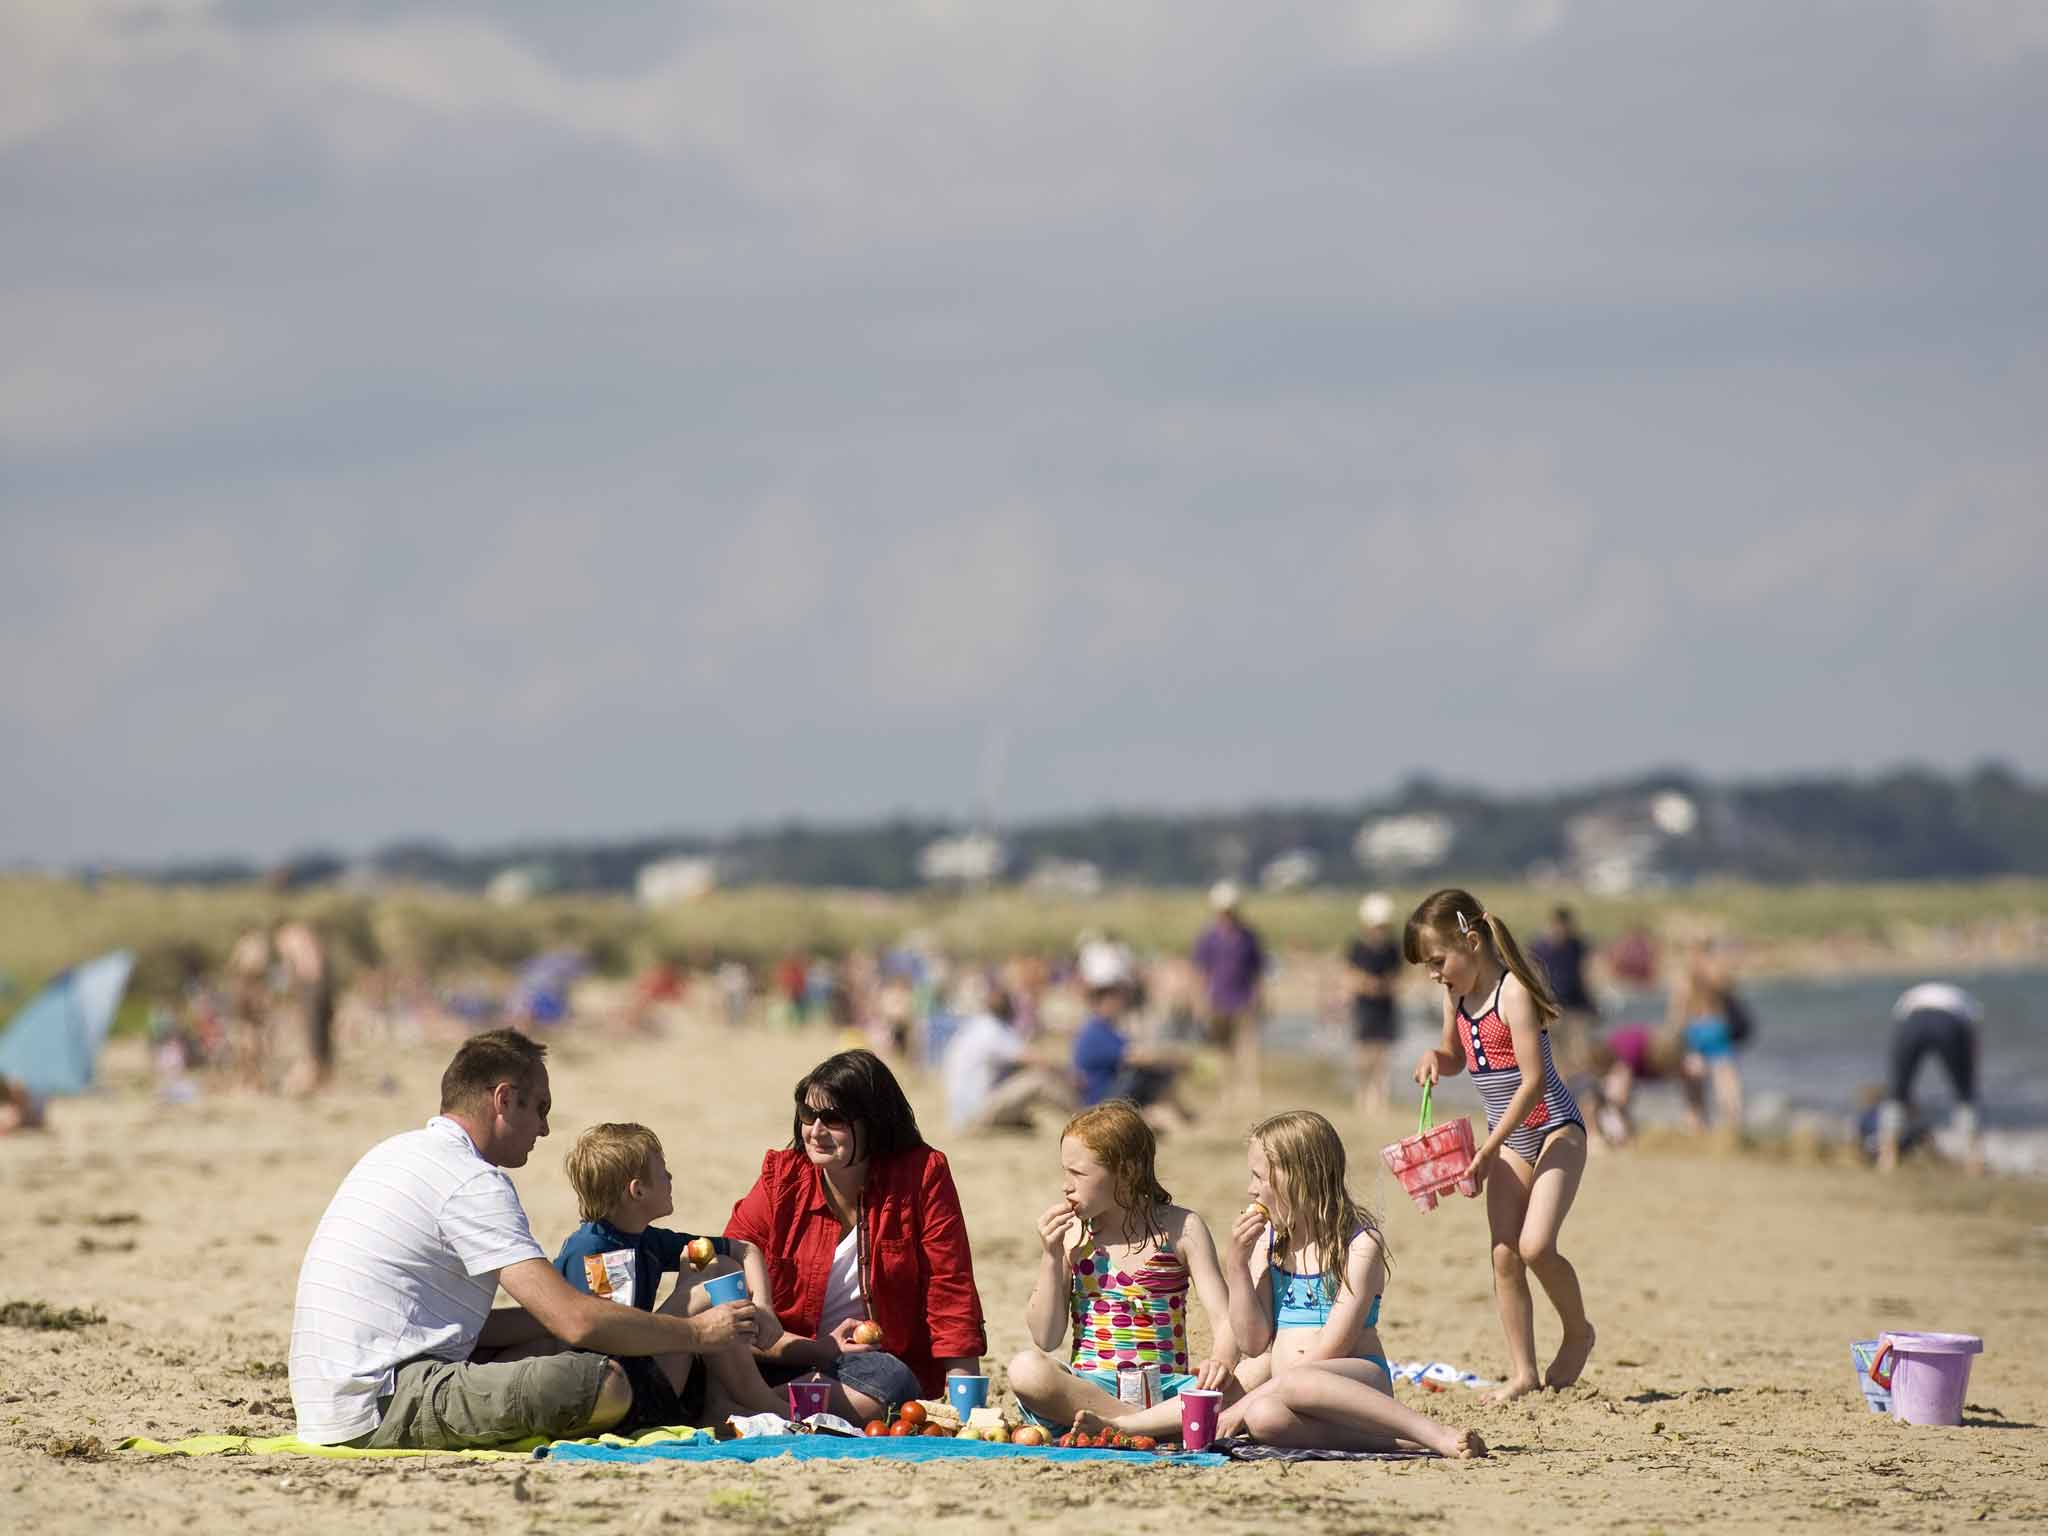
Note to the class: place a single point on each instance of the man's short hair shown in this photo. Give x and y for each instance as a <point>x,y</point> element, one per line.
<point>605,1159</point>
<point>486,1060</point>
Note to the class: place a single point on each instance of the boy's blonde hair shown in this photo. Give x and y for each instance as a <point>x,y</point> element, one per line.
<point>605,1159</point>
<point>1305,1160</point>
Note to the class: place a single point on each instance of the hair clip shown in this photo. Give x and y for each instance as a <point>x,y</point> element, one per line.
<point>1463,926</point>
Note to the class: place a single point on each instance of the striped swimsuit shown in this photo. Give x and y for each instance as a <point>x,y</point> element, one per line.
<point>1490,1058</point>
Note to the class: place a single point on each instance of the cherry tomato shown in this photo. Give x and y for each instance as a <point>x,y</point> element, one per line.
<point>876,1427</point>
<point>911,1413</point>
<point>900,1428</point>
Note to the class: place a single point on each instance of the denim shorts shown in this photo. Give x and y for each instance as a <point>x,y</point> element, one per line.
<point>873,1373</point>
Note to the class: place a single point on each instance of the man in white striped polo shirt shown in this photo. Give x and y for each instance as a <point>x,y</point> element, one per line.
<point>395,1342</point>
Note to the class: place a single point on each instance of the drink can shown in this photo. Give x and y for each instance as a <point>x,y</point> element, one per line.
<point>1137,1385</point>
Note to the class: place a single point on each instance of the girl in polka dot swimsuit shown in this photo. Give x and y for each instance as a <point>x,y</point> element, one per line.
<point>1119,1262</point>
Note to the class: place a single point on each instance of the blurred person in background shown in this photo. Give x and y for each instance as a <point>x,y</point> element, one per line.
<point>1372,965</point>
<point>20,1110</point>
<point>1562,951</point>
<point>1233,967</point>
<point>1108,1064</point>
<point>1943,1021</point>
<point>993,1078</point>
<point>1713,1022</point>
<point>309,980</point>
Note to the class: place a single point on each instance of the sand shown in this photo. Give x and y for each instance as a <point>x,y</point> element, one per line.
<point>1726,1287</point>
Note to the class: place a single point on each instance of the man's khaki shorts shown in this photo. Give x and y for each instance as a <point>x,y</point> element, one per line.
<point>450,1405</point>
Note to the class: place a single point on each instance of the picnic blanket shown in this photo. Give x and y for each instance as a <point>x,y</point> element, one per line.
<point>679,1444</point>
<point>844,1448</point>
<point>292,1445</point>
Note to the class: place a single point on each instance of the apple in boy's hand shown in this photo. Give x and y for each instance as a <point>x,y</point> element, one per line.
<point>869,1333</point>
<point>699,1252</point>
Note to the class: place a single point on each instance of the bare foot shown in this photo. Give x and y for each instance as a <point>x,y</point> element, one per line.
<point>1089,1422</point>
<point>1520,1386</point>
<point>1570,1359</point>
<point>1463,1445</point>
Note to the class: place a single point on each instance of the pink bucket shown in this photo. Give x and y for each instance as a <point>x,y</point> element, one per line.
<point>1435,1160</point>
<point>1928,1374</point>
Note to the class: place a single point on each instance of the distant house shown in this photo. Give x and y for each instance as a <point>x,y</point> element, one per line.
<point>972,858</point>
<point>1622,846</point>
<point>668,882</point>
<point>519,883</point>
<point>1290,871</point>
<point>1419,840</point>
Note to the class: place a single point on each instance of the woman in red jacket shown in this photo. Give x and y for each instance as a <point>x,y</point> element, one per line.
<point>859,1221</point>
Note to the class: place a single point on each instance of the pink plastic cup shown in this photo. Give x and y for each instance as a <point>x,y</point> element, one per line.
<point>809,1397</point>
<point>1198,1407</point>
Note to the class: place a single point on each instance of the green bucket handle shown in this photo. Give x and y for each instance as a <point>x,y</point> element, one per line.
<point>1425,1120</point>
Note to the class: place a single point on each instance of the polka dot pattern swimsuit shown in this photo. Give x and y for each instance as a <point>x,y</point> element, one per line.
<point>1130,1318</point>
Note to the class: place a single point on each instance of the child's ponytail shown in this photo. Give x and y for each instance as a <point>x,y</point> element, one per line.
<point>1454,912</point>
<point>1529,975</point>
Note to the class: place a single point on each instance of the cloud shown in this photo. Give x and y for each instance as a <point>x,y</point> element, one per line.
<point>694,414</point>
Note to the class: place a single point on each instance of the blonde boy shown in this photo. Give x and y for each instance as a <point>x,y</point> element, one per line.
<point>623,1185</point>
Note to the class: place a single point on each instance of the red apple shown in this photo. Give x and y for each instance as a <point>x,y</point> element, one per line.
<point>869,1333</point>
<point>699,1252</point>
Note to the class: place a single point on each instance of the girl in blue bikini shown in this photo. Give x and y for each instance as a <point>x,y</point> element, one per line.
<point>1307,1267</point>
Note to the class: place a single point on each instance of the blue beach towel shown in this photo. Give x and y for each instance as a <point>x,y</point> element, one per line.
<point>840,1448</point>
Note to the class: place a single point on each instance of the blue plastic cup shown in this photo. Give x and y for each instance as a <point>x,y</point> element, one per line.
<point>732,1287</point>
<point>967,1393</point>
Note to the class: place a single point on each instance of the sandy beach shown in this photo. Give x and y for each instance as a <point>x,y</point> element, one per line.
<point>1726,1287</point>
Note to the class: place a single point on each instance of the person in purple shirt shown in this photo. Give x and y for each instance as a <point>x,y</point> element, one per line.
<point>1233,963</point>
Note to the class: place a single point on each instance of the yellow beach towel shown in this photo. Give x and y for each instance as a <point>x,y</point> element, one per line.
<point>292,1445</point>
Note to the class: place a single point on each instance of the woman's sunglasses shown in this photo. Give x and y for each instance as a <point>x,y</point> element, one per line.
<point>833,1120</point>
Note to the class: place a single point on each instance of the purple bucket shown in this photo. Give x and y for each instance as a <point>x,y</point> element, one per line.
<point>1928,1374</point>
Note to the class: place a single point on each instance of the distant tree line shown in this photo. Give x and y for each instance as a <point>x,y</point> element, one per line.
<point>1902,825</point>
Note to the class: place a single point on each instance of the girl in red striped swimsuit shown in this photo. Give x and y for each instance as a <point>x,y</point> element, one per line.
<point>1497,1013</point>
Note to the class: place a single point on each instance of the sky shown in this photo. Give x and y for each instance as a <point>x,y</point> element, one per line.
<point>486,421</point>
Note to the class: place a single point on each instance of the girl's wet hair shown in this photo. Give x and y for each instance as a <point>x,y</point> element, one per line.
<point>1305,1162</point>
<point>1125,1146</point>
<point>1450,915</point>
<point>859,1086</point>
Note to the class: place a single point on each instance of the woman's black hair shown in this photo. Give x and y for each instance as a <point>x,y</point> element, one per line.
<point>861,1087</point>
